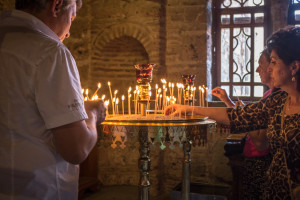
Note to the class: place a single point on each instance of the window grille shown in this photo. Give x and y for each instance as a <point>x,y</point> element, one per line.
<point>240,29</point>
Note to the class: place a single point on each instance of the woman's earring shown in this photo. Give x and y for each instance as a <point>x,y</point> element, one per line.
<point>293,79</point>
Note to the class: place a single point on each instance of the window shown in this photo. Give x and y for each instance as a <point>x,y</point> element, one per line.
<point>240,30</point>
<point>294,12</point>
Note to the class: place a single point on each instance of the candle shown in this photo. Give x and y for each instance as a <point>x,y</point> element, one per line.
<point>134,97</point>
<point>137,99</point>
<point>156,98</point>
<point>98,87</point>
<point>107,103</point>
<point>172,90</point>
<point>117,108</point>
<point>129,95</point>
<point>160,96</point>
<point>123,97</point>
<point>129,110</point>
<point>200,93</point>
<point>206,96</point>
<point>113,105</point>
<point>115,97</point>
<point>87,94</point>
<point>111,98</point>
<point>103,97</point>
<point>202,96</point>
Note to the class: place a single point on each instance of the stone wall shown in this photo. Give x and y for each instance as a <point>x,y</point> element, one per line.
<point>109,36</point>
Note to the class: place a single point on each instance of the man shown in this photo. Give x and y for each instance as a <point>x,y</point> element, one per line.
<point>46,129</point>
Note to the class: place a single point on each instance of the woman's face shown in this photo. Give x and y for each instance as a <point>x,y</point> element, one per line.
<point>280,72</point>
<point>263,70</point>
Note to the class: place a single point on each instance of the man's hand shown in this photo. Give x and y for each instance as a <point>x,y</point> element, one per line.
<point>96,109</point>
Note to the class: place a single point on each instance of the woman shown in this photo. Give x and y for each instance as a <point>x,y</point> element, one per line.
<point>256,153</point>
<point>278,113</point>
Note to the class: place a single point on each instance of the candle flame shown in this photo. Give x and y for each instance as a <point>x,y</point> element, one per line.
<point>103,97</point>
<point>117,101</point>
<point>106,103</point>
<point>116,91</point>
<point>129,90</point>
<point>99,85</point>
<point>156,86</point>
<point>108,83</point>
<point>87,91</point>
<point>123,97</point>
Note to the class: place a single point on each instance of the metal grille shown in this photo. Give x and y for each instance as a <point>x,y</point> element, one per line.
<point>240,27</point>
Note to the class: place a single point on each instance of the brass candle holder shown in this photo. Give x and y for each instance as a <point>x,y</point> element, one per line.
<point>188,83</point>
<point>144,78</point>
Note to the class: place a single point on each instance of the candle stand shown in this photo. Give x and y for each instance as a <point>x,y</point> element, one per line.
<point>152,129</point>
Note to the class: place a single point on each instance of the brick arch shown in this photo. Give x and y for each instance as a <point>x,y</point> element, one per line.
<point>136,31</point>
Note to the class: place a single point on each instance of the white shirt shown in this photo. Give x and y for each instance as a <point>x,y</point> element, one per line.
<point>39,90</point>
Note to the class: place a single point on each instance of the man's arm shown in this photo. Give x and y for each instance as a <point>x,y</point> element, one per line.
<point>76,140</point>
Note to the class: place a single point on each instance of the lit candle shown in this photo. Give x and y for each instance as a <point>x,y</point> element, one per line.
<point>129,110</point>
<point>107,103</point>
<point>87,94</point>
<point>123,97</point>
<point>134,97</point>
<point>129,95</point>
<point>172,90</point>
<point>160,96</point>
<point>98,87</point>
<point>200,94</point>
<point>111,98</point>
<point>137,99</point>
<point>113,105</point>
<point>178,87</point>
<point>115,97</point>
<point>148,100</point>
<point>156,98</point>
<point>103,97</point>
<point>117,106</point>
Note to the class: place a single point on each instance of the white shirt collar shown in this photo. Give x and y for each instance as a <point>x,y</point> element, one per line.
<point>33,22</point>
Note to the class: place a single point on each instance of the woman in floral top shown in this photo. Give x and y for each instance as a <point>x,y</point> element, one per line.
<point>279,114</point>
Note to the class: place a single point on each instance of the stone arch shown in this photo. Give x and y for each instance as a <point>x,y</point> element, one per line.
<point>137,31</point>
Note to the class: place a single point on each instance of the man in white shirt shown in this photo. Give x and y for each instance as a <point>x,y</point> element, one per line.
<point>46,128</point>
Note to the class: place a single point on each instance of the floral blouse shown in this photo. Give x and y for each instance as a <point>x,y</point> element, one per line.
<point>281,181</point>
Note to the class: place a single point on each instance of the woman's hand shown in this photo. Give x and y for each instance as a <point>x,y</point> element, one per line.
<point>222,95</point>
<point>176,109</point>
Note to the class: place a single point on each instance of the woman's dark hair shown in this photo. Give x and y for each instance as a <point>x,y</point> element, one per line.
<point>286,43</point>
<point>266,53</point>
